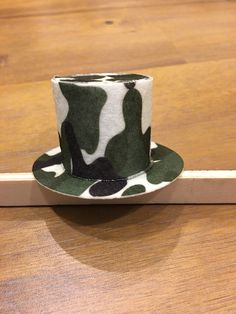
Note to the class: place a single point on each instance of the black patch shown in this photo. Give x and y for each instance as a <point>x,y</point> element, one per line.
<point>147,138</point>
<point>101,168</point>
<point>105,188</point>
<point>130,85</point>
<point>39,164</point>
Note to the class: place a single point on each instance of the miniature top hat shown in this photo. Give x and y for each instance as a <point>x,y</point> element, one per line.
<point>104,126</point>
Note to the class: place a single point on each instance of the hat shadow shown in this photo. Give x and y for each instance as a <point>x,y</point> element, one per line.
<point>117,238</point>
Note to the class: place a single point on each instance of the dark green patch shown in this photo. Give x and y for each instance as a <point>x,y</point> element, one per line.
<point>129,150</point>
<point>64,183</point>
<point>126,77</point>
<point>168,168</point>
<point>81,78</point>
<point>73,186</point>
<point>135,189</point>
<point>85,105</point>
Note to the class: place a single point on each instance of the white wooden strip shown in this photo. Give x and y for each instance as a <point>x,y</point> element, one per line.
<point>192,187</point>
<point>209,174</point>
<point>18,176</point>
<point>187,174</point>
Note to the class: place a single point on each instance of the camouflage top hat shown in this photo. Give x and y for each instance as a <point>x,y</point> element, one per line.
<point>104,126</point>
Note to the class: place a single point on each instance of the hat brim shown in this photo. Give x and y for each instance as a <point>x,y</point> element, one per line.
<point>166,166</point>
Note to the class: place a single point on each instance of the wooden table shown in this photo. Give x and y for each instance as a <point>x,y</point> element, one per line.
<point>120,259</point>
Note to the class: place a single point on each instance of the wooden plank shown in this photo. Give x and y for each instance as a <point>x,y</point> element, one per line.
<point>192,187</point>
<point>57,38</point>
<point>25,8</point>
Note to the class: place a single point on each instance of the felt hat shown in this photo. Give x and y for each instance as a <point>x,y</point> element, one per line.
<point>104,127</point>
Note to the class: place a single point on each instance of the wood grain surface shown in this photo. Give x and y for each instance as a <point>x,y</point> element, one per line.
<point>120,259</point>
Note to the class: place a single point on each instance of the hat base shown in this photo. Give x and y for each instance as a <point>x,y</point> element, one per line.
<point>166,166</point>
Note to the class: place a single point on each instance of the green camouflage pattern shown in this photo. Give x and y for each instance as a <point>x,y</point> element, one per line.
<point>166,166</point>
<point>104,134</point>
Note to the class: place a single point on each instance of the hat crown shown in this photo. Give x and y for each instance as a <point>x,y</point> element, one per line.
<point>104,124</point>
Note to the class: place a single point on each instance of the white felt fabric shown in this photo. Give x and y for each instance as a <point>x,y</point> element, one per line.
<point>142,180</point>
<point>54,151</point>
<point>58,169</point>
<point>145,89</point>
<point>61,103</point>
